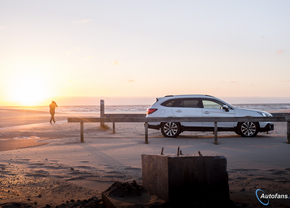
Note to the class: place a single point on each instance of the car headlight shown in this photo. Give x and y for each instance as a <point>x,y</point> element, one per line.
<point>265,114</point>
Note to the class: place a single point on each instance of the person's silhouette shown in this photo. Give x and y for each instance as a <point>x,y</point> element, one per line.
<point>52,110</point>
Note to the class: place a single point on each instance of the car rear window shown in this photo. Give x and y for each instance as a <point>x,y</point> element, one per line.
<point>168,103</point>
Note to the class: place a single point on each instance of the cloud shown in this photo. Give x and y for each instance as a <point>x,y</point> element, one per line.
<point>132,80</point>
<point>87,58</point>
<point>83,21</point>
<point>190,42</point>
<point>285,80</point>
<point>2,27</point>
<point>115,63</point>
<point>68,52</point>
<point>231,82</point>
<point>75,49</point>
<point>280,51</point>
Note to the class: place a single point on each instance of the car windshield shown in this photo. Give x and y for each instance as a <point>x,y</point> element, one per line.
<point>229,105</point>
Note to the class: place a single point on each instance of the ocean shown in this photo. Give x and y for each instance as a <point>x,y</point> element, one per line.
<point>136,108</point>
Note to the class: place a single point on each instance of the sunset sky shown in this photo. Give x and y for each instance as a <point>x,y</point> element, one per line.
<point>129,52</point>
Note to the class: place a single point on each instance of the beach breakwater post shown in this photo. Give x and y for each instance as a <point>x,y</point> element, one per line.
<point>288,131</point>
<point>146,132</point>
<point>184,179</point>
<point>215,133</point>
<point>102,112</point>
<point>82,132</point>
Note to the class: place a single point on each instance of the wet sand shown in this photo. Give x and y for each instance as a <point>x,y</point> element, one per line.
<point>11,144</point>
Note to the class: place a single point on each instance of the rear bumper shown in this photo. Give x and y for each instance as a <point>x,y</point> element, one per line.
<point>150,126</point>
<point>268,127</point>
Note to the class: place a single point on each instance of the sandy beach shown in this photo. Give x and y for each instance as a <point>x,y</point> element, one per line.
<point>45,164</point>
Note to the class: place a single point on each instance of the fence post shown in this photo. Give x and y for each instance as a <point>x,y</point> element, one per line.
<point>102,112</point>
<point>82,132</point>
<point>146,132</point>
<point>288,131</point>
<point>215,133</point>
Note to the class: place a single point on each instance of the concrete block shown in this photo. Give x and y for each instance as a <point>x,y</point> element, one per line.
<point>178,179</point>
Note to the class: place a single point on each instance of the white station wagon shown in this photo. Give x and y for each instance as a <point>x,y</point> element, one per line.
<point>203,106</point>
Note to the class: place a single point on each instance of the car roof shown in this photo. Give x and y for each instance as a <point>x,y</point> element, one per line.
<point>188,95</point>
<point>167,97</point>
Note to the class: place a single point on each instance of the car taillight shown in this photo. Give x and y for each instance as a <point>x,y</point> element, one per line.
<point>151,110</point>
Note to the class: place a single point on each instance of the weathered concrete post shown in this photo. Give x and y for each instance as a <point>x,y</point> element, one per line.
<point>102,112</point>
<point>185,179</point>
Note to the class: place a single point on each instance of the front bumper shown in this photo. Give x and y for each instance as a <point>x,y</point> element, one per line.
<point>268,127</point>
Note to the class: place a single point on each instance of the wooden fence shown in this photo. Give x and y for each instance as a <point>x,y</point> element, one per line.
<point>278,117</point>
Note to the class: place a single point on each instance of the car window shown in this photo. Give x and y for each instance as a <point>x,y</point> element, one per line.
<point>190,103</point>
<point>183,103</point>
<point>211,104</point>
<point>168,103</point>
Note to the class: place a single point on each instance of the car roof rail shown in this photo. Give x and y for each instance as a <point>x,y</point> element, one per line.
<point>189,95</point>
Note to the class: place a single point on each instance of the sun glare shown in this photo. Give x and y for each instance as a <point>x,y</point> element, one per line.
<point>29,90</point>
<point>28,81</point>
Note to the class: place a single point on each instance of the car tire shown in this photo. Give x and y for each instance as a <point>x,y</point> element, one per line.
<point>248,129</point>
<point>170,129</point>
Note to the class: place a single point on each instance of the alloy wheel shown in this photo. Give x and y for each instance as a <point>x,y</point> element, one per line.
<point>170,129</point>
<point>248,129</point>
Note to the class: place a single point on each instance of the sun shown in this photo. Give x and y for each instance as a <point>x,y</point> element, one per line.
<point>29,89</point>
<point>30,80</point>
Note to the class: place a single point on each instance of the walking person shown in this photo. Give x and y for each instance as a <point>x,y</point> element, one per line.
<point>52,110</point>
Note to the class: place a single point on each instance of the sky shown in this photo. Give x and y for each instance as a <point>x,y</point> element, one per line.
<point>130,52</point>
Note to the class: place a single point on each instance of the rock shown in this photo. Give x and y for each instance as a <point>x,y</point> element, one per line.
<point>120,195</point>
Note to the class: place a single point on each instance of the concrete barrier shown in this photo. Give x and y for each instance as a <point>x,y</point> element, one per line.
<point>184,179</point>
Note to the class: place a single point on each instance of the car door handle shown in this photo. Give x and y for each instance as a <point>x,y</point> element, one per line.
<point>206,112</point>
<point>178,111</point>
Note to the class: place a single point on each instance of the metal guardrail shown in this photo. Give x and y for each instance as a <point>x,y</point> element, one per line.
<point>277,117</point>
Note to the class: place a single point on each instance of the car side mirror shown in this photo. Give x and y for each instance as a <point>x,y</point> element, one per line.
<point>226,108</point>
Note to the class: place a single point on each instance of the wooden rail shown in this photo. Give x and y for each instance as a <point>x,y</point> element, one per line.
<point>116,115</point>
<point>180,119</point>
<point>285,117</point>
